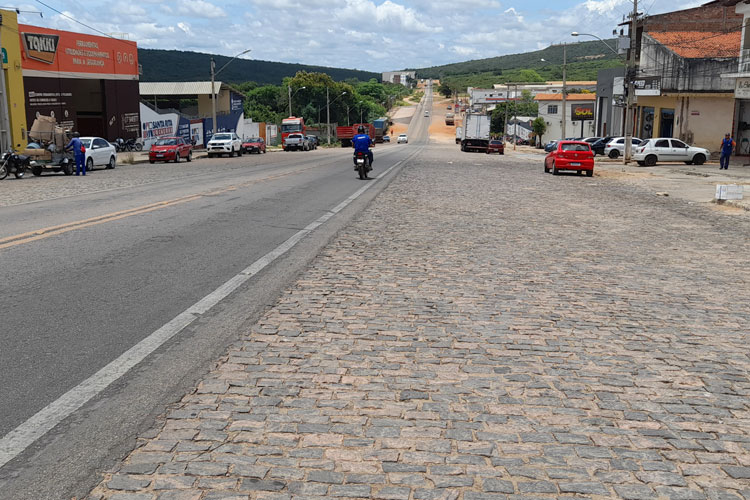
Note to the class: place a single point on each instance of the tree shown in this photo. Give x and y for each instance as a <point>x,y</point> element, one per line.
<point>539,127</point>
<point>445,89</point>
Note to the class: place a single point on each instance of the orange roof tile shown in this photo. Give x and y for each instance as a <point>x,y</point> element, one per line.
<point>571,97</point>
<point>700,44</point>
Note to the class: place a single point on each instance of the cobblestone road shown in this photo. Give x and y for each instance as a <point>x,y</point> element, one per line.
<point>483,331</point>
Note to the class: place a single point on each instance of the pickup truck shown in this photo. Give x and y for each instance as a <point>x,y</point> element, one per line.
<point>297,141</point>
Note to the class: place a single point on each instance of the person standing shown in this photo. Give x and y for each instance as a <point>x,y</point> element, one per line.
<point>727,145</point>
<point>79,150</point>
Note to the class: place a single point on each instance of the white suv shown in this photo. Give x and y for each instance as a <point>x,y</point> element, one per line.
<point>668,149</point>
<point>402,138</point>
<point>616,146</point>
<point>224,143</point>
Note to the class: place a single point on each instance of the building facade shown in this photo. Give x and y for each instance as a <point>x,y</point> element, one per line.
<point>579,116</point>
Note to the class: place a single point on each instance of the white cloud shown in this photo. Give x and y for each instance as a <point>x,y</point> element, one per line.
<point>603,6</point>
<point>200,8</point>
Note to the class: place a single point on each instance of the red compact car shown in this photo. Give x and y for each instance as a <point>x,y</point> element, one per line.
<point>496,146</point>
<point>254,145</point>
<point>170,149</point>
<point>570,155</point>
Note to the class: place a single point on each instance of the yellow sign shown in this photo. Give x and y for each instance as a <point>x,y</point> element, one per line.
<point>11,45</point>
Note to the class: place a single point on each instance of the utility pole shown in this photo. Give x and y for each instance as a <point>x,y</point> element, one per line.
<point>213,97</point>
<point>507,103</point>
<point>328,117</point>
<point>515,117</point>
<point>289,88</point>
<point>629,77</point>
<point>564,91</point>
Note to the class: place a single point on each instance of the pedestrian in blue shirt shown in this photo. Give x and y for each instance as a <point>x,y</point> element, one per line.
<point>727,145</point>
<point>76,146</point>
<point>361,143</point>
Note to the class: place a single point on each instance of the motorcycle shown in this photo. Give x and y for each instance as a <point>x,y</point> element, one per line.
<point>362,164</point>
<point>133,145</point>
<point>13,163</point>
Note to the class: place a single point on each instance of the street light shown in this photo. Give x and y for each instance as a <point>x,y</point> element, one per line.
<point>628,132</point>
<point>289,87</point>
<point>575,33</point>
<point>328,113</point>
<point>213,89</point>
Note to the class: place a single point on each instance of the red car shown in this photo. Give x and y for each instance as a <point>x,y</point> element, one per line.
<point>496,146</point>
<point>170,149</point>
<point>254,145</point>
<point>570,155</point>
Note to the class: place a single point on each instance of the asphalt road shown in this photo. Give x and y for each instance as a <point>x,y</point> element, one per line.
<point>90,272</point>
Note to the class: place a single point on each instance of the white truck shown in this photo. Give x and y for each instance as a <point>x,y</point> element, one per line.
<point>476,132</point>
<point>459,134</point>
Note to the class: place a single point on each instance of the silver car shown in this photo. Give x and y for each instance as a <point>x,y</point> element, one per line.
<point>669,149</point>
<point>616,147</point>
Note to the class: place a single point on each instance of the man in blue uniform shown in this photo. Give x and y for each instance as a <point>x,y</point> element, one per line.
<point>76,146</point>
<point>361,142</point>
<point>727,145</point>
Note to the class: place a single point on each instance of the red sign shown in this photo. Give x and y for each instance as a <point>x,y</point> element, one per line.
<point>56,53</point>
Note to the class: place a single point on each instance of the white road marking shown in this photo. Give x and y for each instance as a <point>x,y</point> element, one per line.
<point>20,438</point>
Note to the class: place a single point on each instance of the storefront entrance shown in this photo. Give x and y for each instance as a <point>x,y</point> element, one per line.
<point>666,127</point>
<point>743,128</point>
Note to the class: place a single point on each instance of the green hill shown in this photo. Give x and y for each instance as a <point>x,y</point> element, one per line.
<point>589,54</point>
<point>182,66</point>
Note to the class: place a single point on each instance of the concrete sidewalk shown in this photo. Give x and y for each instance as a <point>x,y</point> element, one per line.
<point>482,331</point>
<point>694,183</point>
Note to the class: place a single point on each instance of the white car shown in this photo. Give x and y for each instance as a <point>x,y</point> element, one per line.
<point>99,153</point>
<point>650,151</point>
<point>402,138</point>
<point>224,143</point>
<point>616,146</point>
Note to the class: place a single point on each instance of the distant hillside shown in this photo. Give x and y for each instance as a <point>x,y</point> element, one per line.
<point>181,66</point>
<point>581,55</point>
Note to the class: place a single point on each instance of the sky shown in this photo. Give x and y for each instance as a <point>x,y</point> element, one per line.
<point>372,35</point>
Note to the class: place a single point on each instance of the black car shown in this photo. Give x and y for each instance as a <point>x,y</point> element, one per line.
<point>598,146</point>
<point>550,146</point>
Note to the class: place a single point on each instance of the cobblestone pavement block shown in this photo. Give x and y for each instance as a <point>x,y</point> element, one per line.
<point>482,331</point>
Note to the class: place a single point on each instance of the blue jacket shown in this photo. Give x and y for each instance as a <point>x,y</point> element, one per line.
<point>726,146</point>
<point>75,146</point>
<point>361,142</point>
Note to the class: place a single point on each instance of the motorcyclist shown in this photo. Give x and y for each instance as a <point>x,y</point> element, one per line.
<point>76,146</point>
<point>362,142</point>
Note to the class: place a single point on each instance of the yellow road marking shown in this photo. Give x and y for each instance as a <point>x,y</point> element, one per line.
<point>39,234</point>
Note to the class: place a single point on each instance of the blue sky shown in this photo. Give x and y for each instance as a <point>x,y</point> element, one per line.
<point>374,35</point>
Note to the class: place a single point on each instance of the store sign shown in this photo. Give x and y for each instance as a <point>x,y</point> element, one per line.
<point>40,47</point>
<point>648,85</point>
<point>48,52</point>
<point>742,88</point>
<point>581,112</point>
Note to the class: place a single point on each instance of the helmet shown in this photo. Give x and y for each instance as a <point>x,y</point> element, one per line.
<point>361,129</point>
<point>76,134</point>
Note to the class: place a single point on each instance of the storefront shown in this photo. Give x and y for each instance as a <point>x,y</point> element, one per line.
<point>88,83</point>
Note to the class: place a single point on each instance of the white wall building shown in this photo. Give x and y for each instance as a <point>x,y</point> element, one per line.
<point>550,109</point>
<point>401,77</point>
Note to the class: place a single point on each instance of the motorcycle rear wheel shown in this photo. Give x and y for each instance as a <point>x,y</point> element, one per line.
<point>19,173</point>
<point>362,169</point>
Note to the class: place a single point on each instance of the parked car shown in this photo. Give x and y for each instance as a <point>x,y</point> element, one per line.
<point>296,141</point>
<point>550,146</point>
<point>570,155</point>
<point>598,146</point>
<point>616,146</point>
<point>170,149</point>
<point>99,153</point>
<point>313,141</point>
<point>254,145</point>
<point>496,146</point>
<point>402,138</point>
<point>590,140</point>
<point>224,143</point>
<point>386,138</point>
<point>650,151</point>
